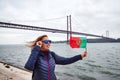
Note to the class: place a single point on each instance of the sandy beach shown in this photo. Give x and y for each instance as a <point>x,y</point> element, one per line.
<point>8,72</point>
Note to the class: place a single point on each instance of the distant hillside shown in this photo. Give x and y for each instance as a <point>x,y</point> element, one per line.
<point>97,40</point>
<point>102,40</point>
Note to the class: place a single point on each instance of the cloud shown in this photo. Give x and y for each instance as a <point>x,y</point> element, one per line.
<point>89,16</point>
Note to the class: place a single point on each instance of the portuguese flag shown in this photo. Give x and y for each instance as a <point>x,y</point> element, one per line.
<point>78,42</point>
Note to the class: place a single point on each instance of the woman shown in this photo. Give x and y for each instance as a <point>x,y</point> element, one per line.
<point>42,61</point>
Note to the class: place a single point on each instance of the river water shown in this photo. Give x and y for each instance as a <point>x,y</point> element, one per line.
<point>101,63</point>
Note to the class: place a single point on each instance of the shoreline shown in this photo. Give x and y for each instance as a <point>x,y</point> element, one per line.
<point>9,72</point>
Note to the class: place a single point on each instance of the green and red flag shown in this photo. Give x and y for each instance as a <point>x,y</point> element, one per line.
<point>78,42</point>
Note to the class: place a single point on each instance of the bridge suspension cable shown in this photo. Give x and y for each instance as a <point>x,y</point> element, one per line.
<point>39,20</point>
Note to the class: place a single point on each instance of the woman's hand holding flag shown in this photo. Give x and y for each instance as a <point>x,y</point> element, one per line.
<point>84,54</point>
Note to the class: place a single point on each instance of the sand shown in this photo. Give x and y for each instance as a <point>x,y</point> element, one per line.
<point>8,72</point>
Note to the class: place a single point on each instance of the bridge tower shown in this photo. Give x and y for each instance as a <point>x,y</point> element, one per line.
<point>107,33</point>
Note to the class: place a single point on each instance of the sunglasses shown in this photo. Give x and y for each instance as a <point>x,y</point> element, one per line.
<point>47,41</point>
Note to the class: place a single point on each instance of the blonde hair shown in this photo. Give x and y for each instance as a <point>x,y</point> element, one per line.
<point>31,44</point>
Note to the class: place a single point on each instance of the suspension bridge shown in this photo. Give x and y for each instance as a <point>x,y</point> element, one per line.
<point>38,28</point>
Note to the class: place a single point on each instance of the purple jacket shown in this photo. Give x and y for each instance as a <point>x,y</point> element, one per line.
<point>43,64</point>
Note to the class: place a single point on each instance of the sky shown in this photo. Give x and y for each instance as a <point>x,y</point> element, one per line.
<point>88,16</point>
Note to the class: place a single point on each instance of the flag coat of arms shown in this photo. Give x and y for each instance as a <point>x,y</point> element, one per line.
<point>78,42</point>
